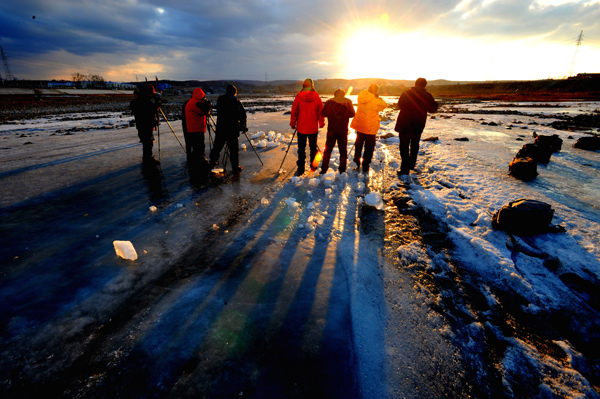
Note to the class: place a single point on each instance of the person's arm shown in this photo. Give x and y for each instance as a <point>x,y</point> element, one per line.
<point>242,116</point>
<point>350,108</point>
<point>320,110</point>
<point>294,114</point>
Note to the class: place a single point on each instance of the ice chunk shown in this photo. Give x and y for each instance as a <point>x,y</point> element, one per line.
<point>264,202</point>
<point>262,144</point>
<point>291,202</point>
<point>125,250</point>
<point>153,208</point>
<point>243,147</point>
<point>311,205</point>
<point>374,199</point>
<point>271,144</point>
<point>314,182</point>
<point>215,227</point>
<point>328,191</point>
<point>360,186</point>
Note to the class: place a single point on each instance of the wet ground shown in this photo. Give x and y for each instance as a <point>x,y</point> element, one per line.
<point>227,298</point>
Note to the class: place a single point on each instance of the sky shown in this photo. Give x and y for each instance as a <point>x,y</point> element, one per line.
<point>134,40</point>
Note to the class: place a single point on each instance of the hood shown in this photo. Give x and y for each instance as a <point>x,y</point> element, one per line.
<point>365,96</point>
<point>308,96</point>
<point>198,94</point>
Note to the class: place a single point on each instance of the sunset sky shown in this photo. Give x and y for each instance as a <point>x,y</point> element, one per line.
<point>129,40</point>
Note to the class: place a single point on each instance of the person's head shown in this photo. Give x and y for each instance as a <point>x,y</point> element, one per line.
<point>148,90</point>
<point>421,82</point>
<point>308,84</point>
<point>231,90</point>
<point>198,94</point>
<point>339,93</point>
<point>374,89</point>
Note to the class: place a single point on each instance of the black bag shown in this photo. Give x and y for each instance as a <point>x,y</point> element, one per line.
<point>524,216</point>
<point>523,168</point>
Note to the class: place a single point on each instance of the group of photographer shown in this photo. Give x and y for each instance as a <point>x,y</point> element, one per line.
<point>307,116</point>
<point>196,119</point>
<point>309,113</point>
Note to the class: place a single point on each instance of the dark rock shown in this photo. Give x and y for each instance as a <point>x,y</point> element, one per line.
<point>590,143</point>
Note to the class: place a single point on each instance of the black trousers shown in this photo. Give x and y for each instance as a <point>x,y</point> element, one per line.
<point>312,144</point>
<point>146,137</point>
<point>368,141</point>
<point>342,141</point>
<point>231,139</point>
<point>195,147</point>
<point>409,149</point>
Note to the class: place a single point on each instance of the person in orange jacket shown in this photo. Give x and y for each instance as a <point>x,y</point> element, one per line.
<point>306,118</point>
<point>195,112</point>
<point>366,124</point>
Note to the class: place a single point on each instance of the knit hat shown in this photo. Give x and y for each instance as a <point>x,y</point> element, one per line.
<point>231,90</point>
<point>308,84</point>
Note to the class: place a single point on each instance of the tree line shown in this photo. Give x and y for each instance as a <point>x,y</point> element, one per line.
<point>94,81</point>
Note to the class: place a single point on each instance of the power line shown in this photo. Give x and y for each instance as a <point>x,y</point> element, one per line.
<point>577,44</point>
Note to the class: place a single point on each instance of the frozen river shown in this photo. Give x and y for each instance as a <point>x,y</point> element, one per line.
<point>273,286</point>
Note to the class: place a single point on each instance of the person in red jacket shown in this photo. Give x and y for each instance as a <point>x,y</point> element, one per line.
<point>306,118</point>
<point>338,111</point>
<point>414,105</point>
<point>195,112</point>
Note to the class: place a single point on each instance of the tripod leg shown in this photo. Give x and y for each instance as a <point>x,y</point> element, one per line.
<point>289,145</point>
<point>249,141</point>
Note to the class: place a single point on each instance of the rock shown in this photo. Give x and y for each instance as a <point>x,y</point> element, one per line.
<point>590,143</point>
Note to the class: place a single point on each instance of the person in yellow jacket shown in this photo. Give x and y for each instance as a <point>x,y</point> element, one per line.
<point>366,124</point>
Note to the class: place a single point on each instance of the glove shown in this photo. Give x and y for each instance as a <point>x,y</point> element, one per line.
<point>244,129</point>
<point>321,125</point>
<point>292,126</point>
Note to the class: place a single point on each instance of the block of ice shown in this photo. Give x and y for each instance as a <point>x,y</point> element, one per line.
<point>291,202</point>
<point>125,250</point>
<point>314,182</point>
<point>264,202</point>
<point>374,199</point>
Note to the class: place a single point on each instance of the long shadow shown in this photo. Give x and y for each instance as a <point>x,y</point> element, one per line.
<point>221,351</point>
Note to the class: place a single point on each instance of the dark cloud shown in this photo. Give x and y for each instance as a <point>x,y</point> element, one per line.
<point>212,38</point>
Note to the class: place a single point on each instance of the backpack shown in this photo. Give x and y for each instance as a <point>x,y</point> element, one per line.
<point>524,216</point>
<point>523,168</point>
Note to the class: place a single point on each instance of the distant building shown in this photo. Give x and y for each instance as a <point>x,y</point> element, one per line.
<point>586,76</point>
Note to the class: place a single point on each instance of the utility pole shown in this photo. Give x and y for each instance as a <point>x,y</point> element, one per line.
<point>577,44</point>
<point>9,75</point>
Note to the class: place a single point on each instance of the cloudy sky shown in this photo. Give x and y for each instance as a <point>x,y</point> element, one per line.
<point>129,40</point>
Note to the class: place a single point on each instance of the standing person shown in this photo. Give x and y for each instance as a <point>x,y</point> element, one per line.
<point>231,120</point>
<point>145,107</point>
<point>366,124</point>
<point>194,114</point>
<point>306,118</point>
<point>414,105</point>
<point>338,111</point>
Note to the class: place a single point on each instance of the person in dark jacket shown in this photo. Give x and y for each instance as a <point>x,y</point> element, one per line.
<point>414,105</point>
<point>338,111</point>
<point>195,112</point>
<point>145,107</point>
<point>231,120</point>
<point>306,118</point>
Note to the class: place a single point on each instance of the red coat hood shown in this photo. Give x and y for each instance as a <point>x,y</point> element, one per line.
<point>198,94</point>
<point>308,96</point>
